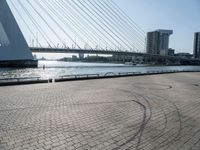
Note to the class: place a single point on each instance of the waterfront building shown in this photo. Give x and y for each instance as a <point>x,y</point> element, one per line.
<point>171,52</point>
<point>158,42</point>
<point>197,45</point>
<point>153,42</point>
<point>184,55</point>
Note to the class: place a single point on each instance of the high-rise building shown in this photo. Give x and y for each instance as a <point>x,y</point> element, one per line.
<point>197,45</point>
<point>158,42</point>
<point>153,42</point>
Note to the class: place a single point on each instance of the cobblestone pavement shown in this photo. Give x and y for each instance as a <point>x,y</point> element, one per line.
<point>160,112</point>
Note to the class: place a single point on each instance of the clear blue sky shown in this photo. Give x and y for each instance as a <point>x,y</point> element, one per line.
<point>183,16</point>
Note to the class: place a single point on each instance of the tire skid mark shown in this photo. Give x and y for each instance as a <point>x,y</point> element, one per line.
<point>177,136</point>
<point>165,118</point>
<point>140,128</point>
<point>153,86</point>
<point>184,126</point>
<point>145,121</point>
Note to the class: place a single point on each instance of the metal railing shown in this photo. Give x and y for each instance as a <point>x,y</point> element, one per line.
<point>80,76</point>
<point>37,79</point>
<point>121,74</point>
<point>18,79</point>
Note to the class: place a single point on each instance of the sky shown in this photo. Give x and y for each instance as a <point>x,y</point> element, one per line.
<point>182,16</point>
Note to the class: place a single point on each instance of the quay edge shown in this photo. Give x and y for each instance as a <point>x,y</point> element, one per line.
<point>19,63</point>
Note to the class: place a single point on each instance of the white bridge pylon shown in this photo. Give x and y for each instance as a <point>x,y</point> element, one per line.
<point>13,45</point>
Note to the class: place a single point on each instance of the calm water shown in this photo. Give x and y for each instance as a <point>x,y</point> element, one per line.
<point>55,69</point>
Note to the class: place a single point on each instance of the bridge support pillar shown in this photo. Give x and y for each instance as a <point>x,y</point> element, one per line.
<point>14,50</point>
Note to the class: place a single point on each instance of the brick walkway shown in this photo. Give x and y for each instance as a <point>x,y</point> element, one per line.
<point>160,112</point>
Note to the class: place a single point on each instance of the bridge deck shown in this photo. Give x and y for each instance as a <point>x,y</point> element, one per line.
<point>148,113</point>
<point>108,52</point>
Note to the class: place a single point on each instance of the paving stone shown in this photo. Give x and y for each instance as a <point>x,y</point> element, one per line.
<point>159,112</point>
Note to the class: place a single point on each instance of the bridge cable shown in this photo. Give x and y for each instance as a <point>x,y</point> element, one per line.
<point>111,23</point>
<point>110,26</point>
<point>74,21</point>
<point>85,12</point>
<point>83,21</point>
<point>141,34</point>
<point>49,6</point>
<point>60,27</point>
<point>19,14</point>
<point>107,22</point>
<point>127,19</point>
<point>120,11</point>
<point>120,22</point>
<point>105,26</point>
<point>49,26</point>
<point>46,38</point>
<point>92,21</point>
<point>77,23</point>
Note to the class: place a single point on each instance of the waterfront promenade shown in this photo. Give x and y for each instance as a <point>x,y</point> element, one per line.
<point>158,112</point>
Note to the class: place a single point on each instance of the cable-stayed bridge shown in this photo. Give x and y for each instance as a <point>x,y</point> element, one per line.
<point>83,24</point>
<point>73,26</point>
<point>121,56</point>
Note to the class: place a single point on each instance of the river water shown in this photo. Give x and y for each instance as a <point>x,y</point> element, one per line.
<point>55,69</point>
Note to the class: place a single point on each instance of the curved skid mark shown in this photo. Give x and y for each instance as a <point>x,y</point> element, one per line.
<point>161,145</point>
<point>152,86</point>
<point>147,106</point>
<point>144,122</point>
<point>165,118</point>
<point>141,126</point>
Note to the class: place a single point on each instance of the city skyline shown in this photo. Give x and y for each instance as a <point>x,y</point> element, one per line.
<point>181,16</point>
